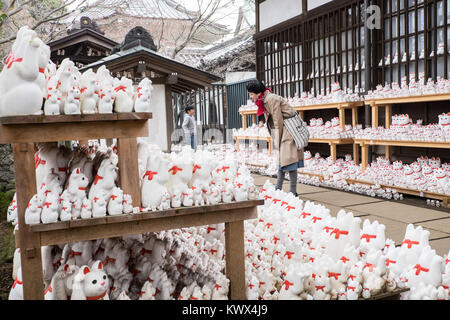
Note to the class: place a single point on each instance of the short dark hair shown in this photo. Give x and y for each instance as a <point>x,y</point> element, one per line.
<point>188,108</point>
<point>256,86</point>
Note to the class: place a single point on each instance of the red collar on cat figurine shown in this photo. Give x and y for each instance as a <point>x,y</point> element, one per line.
<point>96,297</point>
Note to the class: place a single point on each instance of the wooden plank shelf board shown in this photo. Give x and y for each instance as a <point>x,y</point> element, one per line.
<point>268,139</point>
<point>128,224</point>
<point>331,105</point>
<point>405,143</point>
<point>330,141</point>
<point>248,112</point>
<point>252,138</point>
<point>365,143</point>
<point>33,119</point>
<point>409,99</point>
<point>432,195</point>
<point>73,127</point>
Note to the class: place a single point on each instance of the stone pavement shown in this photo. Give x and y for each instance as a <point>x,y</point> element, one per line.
<point>395,215</point>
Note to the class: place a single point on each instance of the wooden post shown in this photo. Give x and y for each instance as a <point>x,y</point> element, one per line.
<point>169,118</point>
<point>375,116</point>
<point>253,118</point>
<point>237,144</point>
<point>235,259</point>
<point>342,117</point>
<point>333,151</point>
<point>30,245</point>
<point>244,121</point>
<point>388,115</point>
<point>364,156</point>
<point>356,153</point>
<point>387,152</point>
<point>269,141</point>
<point>302,115</point>
<point>354,117</point>
<point>129,169</point>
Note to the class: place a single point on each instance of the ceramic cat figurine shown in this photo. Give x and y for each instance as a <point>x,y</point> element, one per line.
<point>72,102</point>
<point>50,208</point>
<point>60,287</point>
<point>33,211</point>
<point>89,92</point>
<point>86,209</point>
<point>91,283</point>
<point>16,292</point>
<point>52,102</point>
<point>106,100</point>
<point>123,90</point>
<point>20,84</point>
<point>143,96</point>
<point>154,180</point>
<point>127,203</point>
<point>115,203</point>
<point>105,180</point>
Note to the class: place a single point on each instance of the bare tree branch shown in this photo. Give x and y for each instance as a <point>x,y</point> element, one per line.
<point>48,17</point>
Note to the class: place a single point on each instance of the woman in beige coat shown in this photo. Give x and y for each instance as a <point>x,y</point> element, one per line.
<point>275,109</point>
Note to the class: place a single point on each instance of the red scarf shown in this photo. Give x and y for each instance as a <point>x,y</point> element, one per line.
<point>260,102</point>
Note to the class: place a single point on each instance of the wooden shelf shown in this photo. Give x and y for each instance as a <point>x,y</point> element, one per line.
<point>35,119</point>
<point>331,105</point>
<point>23,132</point>
<point>128,224</point>
<point>406,143</point>
<point>408,99</point>
<point>252,138</point>
<point>366,143</point>
<point>432,195</point>
<point>332,141</point>
<point>268,139</point>
<point>248,112</point>
<point>333,146</point>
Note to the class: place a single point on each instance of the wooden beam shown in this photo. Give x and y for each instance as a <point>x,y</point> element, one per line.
<point>128,224</point>
<point>50,132</point>
<point>235,258</point>
<point>128,169</point>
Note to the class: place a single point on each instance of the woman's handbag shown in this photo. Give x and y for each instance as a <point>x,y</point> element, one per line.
<point>298,130</point>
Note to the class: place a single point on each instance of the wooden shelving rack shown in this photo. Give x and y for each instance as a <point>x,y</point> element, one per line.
<point>341,106</point>
<point>22,132</point>
<point>387,103</point>
<point>432,195</point>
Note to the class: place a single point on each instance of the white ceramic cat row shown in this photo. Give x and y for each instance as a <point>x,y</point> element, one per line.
<point>409,132</point>
<point>309,254</point>
<point>331,129</point>
<point>414,88</point>
<point>177,264</point>
<point>252,131</point>
<point>250,106</point>
<point>191,178</point>
<point>257,159</point>
<point>423,175</point>
<point>29,76</point>
<point>333,95</point>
